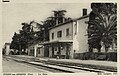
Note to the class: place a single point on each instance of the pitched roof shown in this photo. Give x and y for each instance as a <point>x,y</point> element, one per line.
<point>60,24</point>
<point>69,21</point>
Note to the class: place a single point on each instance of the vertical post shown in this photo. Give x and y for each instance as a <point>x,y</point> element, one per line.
<point>28,52</point>
<point>35,51</point>
<point>60,51</point>
<point>43,29</point>
<point>74,54</point>
<point>44,36</point>
<point>57,21</point>
<point>20,50</point>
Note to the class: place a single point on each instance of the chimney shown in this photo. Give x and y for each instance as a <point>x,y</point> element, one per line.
<point>63,20</point>
<point>84,12</point>
<point>56,21</point>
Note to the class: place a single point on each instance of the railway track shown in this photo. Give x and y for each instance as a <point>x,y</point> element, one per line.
<point>78,67</point>
<point>38,66</point>
<point>61,67</point>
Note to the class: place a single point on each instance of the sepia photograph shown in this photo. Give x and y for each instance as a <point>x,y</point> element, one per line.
<point>59,37</point>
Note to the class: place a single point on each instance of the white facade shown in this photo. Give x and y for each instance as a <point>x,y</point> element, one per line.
<point>61,45</point>
<point>62,28</point>
<point>36,50</point>
<point>80,38</point>
<point>7,48</point>
<point>65,40</point>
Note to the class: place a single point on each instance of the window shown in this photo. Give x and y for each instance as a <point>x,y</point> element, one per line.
<point>52,35</point>
<point>67,32</point>
<point>59,34</point>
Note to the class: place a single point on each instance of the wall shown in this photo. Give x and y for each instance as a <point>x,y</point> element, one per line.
<point>63,28</point>
<point>40,52</point>
<point>35,51</point>
<point>80,39</point>
<point>7,49</point>
<point>31,50</point>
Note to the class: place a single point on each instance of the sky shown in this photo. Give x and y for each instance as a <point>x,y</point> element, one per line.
<point>13,14</point>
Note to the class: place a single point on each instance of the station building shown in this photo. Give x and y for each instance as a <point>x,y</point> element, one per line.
<point>65,39</point>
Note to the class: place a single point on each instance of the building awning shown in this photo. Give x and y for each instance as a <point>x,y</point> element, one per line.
<point>57,41</point>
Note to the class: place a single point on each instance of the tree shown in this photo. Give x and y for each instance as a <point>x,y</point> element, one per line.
<point>39,33</point>
<point>27,35</point>
<point>57,18</point>
<point>103,27</point>
<point>15,43</point>
<point>31,33</point>
<point>20,41</point>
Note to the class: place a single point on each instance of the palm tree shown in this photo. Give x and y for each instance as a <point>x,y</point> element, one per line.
<point>103,27</point>
<point>59,16</point>
<point>104,30</point>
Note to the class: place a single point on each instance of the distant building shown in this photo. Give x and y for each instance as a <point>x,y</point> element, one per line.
<point>7,48</point>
